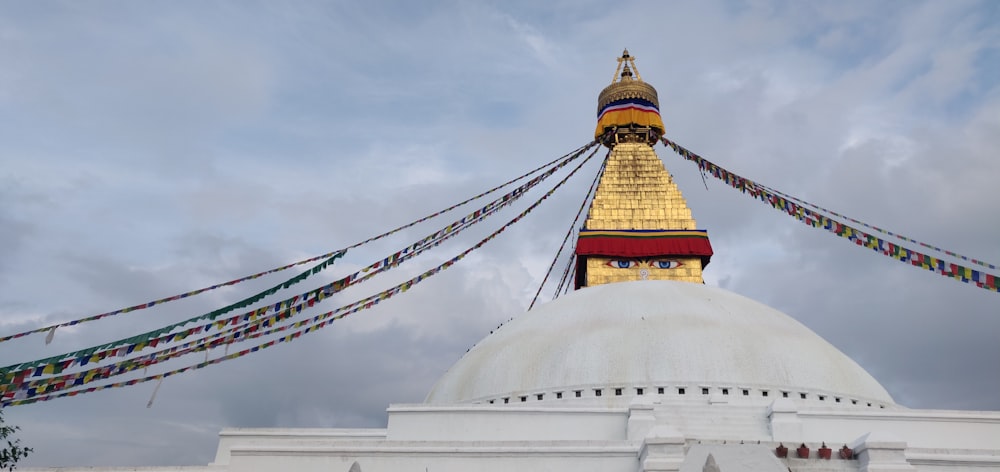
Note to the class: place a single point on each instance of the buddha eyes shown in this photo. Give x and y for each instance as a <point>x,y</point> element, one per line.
<point>665,264</point>
<point>622,263</point>
<point>655,263</point>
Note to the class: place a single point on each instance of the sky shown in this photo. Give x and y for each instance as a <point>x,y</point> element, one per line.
<point>151,148</point>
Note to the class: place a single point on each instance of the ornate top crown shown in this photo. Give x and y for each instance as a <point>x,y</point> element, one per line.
<point>628,110</point>
<point>626,86</point>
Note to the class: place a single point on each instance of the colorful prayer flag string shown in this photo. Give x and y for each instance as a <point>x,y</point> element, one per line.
<point>35,395</point>
<point>568,156</point>
<point>13,376</point>
<point>809,217</point>
<point>106,347</point>
<point>142,306</point>
<point>884,231</point>
<point>248,330</point>
<point>329,255</point>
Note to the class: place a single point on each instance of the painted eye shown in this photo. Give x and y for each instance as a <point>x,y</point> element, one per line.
<point>665,264</point>
<point>622,263</point>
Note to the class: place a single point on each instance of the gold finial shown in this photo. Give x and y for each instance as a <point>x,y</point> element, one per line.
<point>614,77</point>
<point>630,61</point>
<point>626,73</point>
<point>629,67</point>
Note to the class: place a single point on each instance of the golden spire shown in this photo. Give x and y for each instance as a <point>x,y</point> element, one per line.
<point>639,225</point>
<point>637,192</point>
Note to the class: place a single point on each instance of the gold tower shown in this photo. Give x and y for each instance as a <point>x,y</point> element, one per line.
<point>639,226</point>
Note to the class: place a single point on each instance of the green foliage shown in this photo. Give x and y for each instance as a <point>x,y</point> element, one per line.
<point>13,452</point>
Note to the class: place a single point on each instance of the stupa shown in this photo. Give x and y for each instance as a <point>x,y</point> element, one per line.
<point>643,368</point>
<point>643,321</point>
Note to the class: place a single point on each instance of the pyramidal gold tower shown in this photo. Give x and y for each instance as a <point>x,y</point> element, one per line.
<point>639,226</point>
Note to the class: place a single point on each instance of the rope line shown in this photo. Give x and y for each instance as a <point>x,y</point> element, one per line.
<point>97,353</point>
<point>572,228</point>
<point>564,284</point>
<point>309,299</point>
<point>324,319</point>
<point>814,219</point>
<point>330,255</point>
<point>570,156</point>
<point>238,333</point>
<point>880,230</point>
<point>142,306</point>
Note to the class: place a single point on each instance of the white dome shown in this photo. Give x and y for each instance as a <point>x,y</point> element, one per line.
<point>654,334</point>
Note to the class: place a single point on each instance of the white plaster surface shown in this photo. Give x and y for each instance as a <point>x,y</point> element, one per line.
<point>494,423</point>
<point>650,333</point>
<point>942,429</point>
<point>554,437</point>
<point>733,458</point>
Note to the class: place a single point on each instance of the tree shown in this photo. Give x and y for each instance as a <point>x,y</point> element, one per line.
<point>13,452</point>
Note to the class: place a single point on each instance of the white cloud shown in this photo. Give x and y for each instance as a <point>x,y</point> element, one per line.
<point>154,150</point>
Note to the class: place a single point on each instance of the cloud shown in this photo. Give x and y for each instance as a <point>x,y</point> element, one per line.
<point>159,149</point>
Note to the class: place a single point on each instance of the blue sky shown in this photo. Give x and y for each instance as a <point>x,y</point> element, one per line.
<point>149,148</point>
